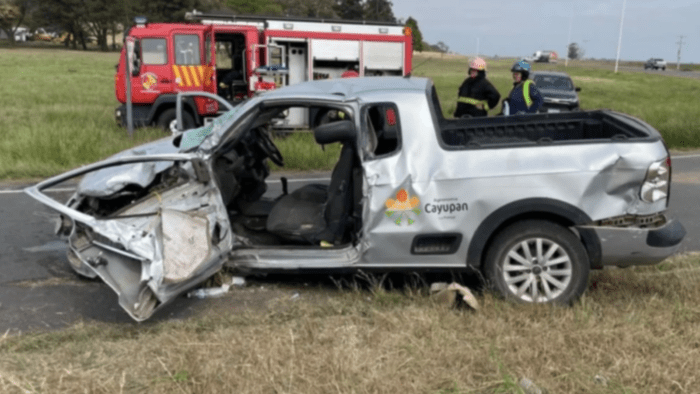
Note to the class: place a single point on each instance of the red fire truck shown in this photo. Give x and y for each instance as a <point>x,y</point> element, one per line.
<point>236,57</point>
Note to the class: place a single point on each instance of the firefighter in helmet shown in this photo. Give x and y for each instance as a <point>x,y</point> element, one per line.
<point>524,97</point>
<point>476,95</point>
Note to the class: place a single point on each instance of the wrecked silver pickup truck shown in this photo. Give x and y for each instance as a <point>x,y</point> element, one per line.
<point>533,201</point>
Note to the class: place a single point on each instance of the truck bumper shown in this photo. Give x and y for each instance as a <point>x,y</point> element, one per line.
<point>627,246</point>
<point>140,115</point>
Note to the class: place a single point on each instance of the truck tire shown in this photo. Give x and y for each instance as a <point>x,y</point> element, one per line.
<point>537,261</point>
<point>663,68</point>
<point>168,121</point>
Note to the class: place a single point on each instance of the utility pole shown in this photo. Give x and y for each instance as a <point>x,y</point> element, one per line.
<point>128,60</point>
<point>680,45</point>
<point>568,41</point>
<point>619,41</point>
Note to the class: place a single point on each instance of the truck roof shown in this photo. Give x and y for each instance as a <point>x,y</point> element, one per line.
<point>299,24</point>
<point>220,16</point>
<point>349,88</point>
<point>159,29</point>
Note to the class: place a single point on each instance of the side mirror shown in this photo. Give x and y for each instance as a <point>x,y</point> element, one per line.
<point>578,89</point>
<point>134,56</point>
<point>340,131</point>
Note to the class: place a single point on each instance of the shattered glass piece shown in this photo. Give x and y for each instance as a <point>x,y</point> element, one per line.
<point>194,137</point>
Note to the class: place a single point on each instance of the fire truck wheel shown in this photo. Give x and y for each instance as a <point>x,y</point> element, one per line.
<point>168,121</point>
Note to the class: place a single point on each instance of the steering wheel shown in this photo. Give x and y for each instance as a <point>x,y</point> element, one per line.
<point>265,143</point>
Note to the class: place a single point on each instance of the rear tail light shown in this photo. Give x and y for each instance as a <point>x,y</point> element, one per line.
<point>657,182</point>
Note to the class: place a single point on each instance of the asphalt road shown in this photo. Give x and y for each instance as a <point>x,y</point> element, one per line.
<point>39,291</point>
<point>669,72</point>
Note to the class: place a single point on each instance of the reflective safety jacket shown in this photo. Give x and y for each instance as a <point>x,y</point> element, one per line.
<point>474,92</point>
<point>525,97</point>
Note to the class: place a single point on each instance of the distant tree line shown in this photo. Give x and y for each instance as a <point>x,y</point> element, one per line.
<point>83,21</point>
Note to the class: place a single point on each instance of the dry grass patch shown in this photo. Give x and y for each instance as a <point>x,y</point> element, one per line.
<point>635,330</point>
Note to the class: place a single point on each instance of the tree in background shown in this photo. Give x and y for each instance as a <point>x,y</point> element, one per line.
<point>442,47</point>
<point>64,15</point>
<point>417,36</point>
<point>309,8</point>
<point>379,10</point>
<point>575,52</point>
<point>85,20</point>
<point>99,19</point>
<point>164,10</point>
<point>254,7</point>
<point>12,15</point>
<point>350,9</point>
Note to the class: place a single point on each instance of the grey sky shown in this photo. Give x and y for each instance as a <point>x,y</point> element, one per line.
<point>651,28</point>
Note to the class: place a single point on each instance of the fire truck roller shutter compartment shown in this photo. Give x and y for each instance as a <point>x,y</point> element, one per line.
<point>339,50</point>
<point>382,58</point>
<point>298,72</point>
<point>331,58</point>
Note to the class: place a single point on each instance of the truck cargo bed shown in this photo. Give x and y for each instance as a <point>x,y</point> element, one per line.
<point>580,126</point>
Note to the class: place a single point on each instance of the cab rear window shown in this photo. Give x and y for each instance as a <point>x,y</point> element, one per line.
<point>382,120</point>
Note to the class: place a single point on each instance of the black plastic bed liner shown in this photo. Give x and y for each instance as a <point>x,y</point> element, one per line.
<point>582,126</point>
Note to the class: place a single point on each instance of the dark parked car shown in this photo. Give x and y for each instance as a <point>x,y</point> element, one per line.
<point>558,91</point>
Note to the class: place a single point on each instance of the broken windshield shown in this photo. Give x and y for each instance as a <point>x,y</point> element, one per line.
<point>221,125</point>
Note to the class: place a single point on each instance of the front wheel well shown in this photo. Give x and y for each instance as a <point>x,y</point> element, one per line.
<point>166,106</point>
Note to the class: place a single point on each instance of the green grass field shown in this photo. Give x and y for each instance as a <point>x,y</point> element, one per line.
<point>56,110</point>
<point>634,331</point>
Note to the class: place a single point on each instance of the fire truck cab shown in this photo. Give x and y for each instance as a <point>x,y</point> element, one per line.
<point>238,57</point>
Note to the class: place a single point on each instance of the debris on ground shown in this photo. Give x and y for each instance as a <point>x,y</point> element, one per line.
<point>209,292</point>
<point>451,294</point>
<point>601,380</point>
<point>529,387</point>
<point>212,292</point>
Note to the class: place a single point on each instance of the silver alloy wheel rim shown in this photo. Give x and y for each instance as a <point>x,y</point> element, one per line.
<point>537,270</point>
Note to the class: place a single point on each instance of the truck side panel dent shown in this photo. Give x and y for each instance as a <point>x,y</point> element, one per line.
<point>566,214</point>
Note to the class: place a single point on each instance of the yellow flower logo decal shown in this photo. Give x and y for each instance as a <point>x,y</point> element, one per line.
<point>148,80</point>
<point>403,206</point>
